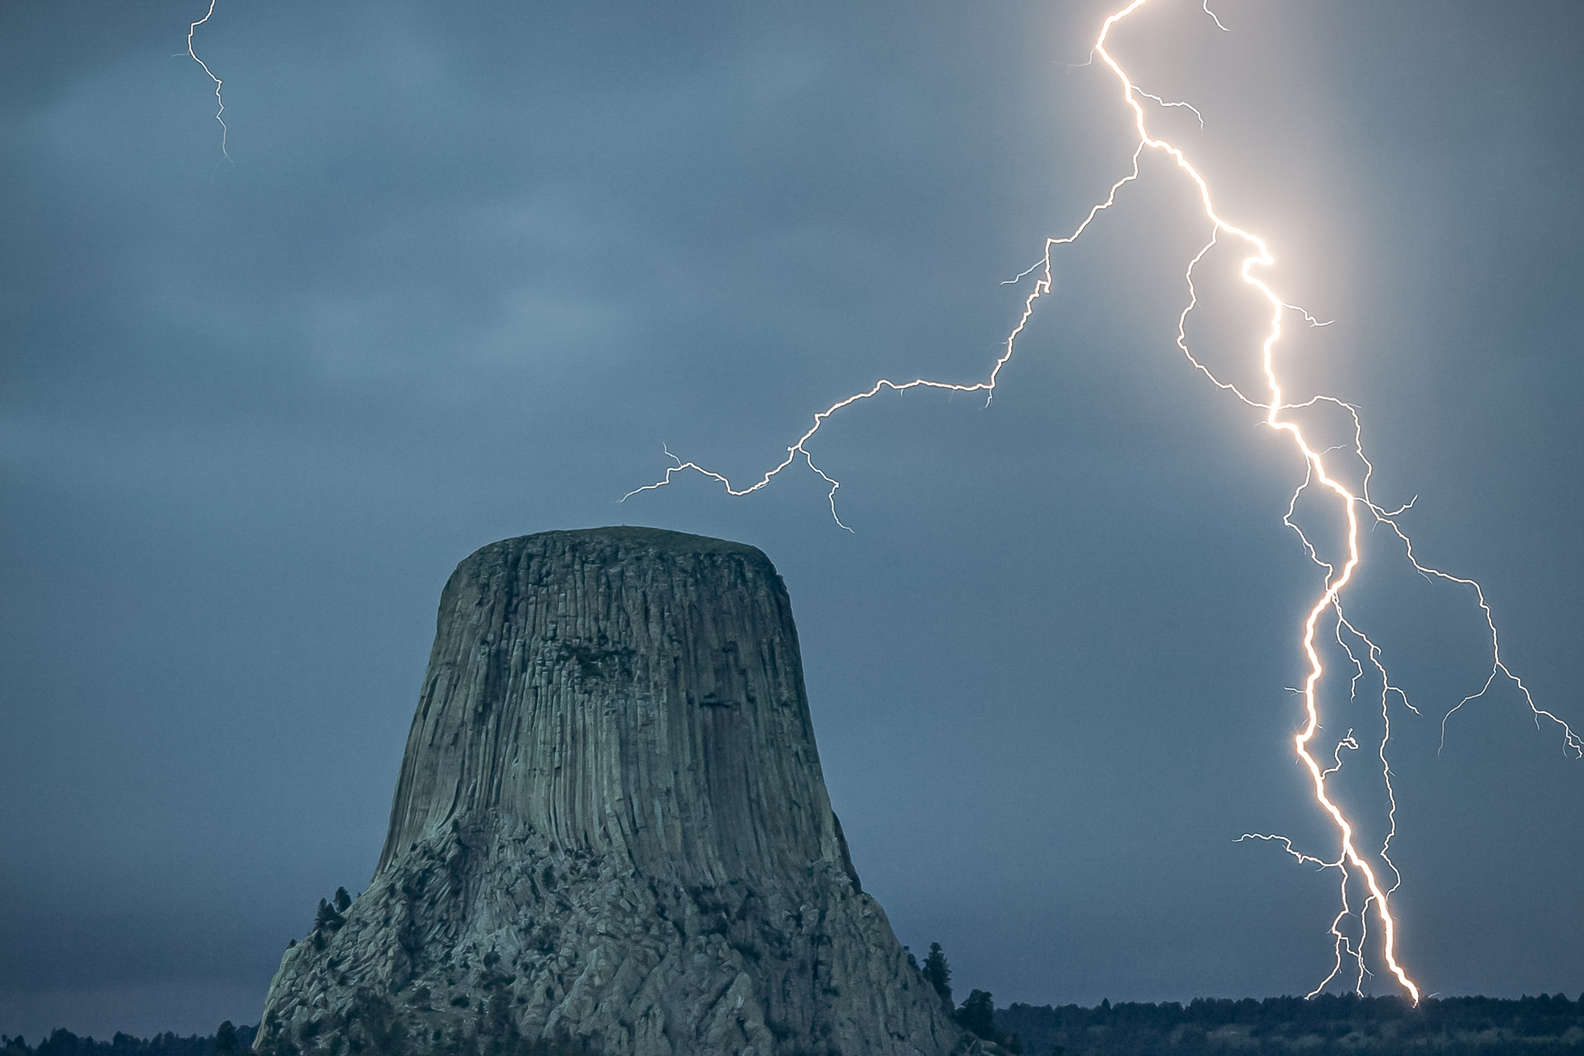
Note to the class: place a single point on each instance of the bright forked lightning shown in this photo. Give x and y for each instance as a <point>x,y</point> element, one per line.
<point>1366,875</point>
<point>225,131</point>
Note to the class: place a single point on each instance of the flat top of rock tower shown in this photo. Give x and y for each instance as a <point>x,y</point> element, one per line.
<point>625,537</point>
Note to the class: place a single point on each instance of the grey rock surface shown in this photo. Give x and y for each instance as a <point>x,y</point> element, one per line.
<point>610,831</point>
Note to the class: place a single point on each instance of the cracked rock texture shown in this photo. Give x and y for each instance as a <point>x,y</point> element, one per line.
<point>610,832</point>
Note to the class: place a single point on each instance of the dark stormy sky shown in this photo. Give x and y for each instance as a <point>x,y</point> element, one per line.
<point>473,266</point>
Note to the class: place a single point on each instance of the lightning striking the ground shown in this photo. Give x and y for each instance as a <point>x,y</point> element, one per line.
<point>1364,926</point>
<point>225,131</point>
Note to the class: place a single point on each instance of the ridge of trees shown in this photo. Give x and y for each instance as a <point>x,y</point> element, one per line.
<point>228,1040</point>
<point>1542,1025</point>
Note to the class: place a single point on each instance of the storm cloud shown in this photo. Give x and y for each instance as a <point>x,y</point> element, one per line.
<point>470,269</point>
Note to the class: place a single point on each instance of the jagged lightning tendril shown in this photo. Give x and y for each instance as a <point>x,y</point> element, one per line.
<point>1351,930</point>
<point>1167,104</point>
<point>225,131</point>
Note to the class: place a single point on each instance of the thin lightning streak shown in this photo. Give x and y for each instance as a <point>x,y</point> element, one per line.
<point>834,484</point>
<point>1352,863</point>
<point>1348,743</point>
<point>1170,104</point>
<point>1020,276</point>
<point>1311,320</point>
<point>225,131</point>
<point>1287,845</point>
<point>1387,689</point>
<point>1341,943</point>
<point>987,386</point>
<point>1572,743</point>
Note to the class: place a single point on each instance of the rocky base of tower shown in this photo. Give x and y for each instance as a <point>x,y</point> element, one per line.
<point>488,941</point>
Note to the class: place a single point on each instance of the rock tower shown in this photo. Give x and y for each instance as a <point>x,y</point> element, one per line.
<point>610,833</point>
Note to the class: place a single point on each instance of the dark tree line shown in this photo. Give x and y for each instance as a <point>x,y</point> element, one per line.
<point>1544,1025</point>
<point>229,1040</point>
<point>1280,1026</point>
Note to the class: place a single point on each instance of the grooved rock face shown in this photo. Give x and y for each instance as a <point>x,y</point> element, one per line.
<point>628,692</point>
<point>610,831</point>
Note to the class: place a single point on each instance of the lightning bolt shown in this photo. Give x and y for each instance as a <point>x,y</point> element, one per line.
<point>225,131</point>
<point>1369,871</point>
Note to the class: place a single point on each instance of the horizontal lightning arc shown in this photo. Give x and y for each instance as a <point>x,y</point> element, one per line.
<point>987,386</point>
<point>1350,861</point>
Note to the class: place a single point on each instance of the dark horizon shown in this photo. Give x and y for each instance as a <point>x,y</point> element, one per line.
<point>1540,1024</point>
<point>463,278</point>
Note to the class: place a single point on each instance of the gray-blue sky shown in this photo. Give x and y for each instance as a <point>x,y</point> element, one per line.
<point>471,269</point>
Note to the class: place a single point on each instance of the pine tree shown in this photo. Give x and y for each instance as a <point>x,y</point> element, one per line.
<point>342,900</point>
<point>327,919</point>
<point>978,1014</point>
<point>938,973</point>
